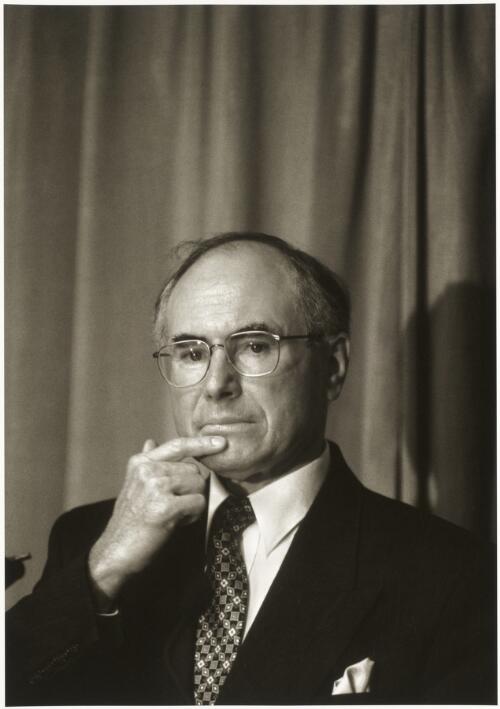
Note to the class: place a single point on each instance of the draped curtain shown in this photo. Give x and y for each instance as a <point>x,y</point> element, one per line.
<point>364,135</point>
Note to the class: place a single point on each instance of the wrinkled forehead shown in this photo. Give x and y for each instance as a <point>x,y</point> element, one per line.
<point>232,287</point>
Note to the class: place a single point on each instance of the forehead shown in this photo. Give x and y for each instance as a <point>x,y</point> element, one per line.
<point>230,288</point>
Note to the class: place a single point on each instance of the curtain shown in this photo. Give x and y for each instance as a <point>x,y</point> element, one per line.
<point>364,135</point>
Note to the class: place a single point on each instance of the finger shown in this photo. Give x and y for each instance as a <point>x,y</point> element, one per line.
<point>149,445</point>
<point>173,473</point>
<point>186,482</point>
<point>142,467</point>
<point>202,469</point>
<point>190,506</point>
<point>179,448</point>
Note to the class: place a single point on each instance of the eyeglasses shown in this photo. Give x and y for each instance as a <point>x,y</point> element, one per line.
<point>254,353</point>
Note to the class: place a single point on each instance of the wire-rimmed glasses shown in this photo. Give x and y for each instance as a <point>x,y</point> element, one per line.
<point>252,353</point>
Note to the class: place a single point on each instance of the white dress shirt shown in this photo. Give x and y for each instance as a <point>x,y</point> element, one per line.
<point>279,508</point>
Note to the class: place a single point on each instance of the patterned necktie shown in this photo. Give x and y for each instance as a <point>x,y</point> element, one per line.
<point>220,627</point>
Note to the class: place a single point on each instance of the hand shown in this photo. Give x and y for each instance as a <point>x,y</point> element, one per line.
<point>161,490</point>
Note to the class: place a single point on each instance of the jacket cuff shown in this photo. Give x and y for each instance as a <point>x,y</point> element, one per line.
<point>54,626</point>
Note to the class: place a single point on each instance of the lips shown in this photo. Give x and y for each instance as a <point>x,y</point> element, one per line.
<point>224,425</point>
<point>222,420</point>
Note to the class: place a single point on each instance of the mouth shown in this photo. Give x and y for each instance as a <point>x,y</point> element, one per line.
<point>224,426</point>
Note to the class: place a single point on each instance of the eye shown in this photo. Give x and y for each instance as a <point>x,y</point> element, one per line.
<point>189,353</point>
<point>258,347</point>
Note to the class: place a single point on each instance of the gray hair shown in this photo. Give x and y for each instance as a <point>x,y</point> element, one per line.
<point>322,296</point>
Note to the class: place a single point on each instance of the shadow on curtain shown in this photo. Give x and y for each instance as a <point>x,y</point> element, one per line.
<point>362,134</point>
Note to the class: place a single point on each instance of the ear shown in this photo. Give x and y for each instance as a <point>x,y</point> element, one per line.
<point>338,362</point>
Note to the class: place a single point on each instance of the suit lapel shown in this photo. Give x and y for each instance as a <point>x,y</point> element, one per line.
<point>178,656</point>
<point>313,607</point>
<point>308,617</point>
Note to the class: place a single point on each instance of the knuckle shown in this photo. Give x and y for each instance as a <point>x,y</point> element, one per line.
<point>182,445</point>
<point>177,445</point>
<point>135,464</point>
<point>161,504</point>
<point>165,484</point>
<point>199,502</point>
<point>198,485</point>
<point>196,502</point>
<point>157,511</point>
<point>156,489</point>
<point>184,442</point>
<point>172,510</point>
<point>136,460</point>
<point>143,472</point>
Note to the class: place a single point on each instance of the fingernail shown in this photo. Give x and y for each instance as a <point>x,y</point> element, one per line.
<point>216,440</point>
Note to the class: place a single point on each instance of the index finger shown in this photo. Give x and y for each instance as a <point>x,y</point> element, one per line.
<point>179,448</point>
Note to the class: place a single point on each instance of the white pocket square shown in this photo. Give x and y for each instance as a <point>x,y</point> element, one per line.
<point>356,678</point>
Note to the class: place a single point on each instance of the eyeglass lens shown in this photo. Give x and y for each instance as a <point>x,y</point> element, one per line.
<point>251,353</point>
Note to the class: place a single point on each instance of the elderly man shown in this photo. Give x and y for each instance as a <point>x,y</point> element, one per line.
<point>243,563</point>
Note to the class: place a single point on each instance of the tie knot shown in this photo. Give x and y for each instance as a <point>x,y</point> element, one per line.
<point>234,515</point>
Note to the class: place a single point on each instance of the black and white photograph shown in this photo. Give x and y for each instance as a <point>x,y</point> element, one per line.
<point>250,354</point>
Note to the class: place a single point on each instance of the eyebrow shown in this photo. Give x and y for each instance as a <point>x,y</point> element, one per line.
<point>186,336</point>
<point>243,328</point>
<point>256,326</point>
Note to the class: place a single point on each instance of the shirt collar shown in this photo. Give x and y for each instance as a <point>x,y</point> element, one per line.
<point>283,503</point>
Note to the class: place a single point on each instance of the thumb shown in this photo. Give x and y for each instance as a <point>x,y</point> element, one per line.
<point>149,445</point>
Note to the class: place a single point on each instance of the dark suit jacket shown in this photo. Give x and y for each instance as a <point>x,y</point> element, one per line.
<point>365,577</point>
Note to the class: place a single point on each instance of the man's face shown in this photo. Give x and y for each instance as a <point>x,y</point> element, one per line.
<point>272,424</point>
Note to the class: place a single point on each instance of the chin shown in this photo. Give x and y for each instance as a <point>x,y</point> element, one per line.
<point>233,463</point>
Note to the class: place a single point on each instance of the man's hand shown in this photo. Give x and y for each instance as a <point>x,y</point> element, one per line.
<point>161,490</point>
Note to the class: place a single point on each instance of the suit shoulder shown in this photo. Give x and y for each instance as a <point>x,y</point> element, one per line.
<point>422,539</point>
<point>390,527</point>
<point>402,516</point>
<point>91,514</point>
<point>79,527</point>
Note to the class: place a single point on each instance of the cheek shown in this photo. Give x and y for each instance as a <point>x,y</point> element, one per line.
<point>282,405</point>
<point>182,403</point>
<point>294,404</point>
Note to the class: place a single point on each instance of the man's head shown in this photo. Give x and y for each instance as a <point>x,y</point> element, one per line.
<point>239,282</point>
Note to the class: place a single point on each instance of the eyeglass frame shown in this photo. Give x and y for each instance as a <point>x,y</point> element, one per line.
<point>275,336</point>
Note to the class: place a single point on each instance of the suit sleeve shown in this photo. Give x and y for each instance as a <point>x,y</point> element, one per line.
<point>55,631</point>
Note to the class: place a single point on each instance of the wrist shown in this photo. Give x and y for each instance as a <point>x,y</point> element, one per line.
<point>106,583</point>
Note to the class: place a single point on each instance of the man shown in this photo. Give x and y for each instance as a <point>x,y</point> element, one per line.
<point>243,562</point>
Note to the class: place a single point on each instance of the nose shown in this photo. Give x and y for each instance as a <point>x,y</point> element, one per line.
<point>222,380</point>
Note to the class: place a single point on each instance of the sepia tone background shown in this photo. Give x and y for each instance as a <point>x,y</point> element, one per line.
<point>362,134</point>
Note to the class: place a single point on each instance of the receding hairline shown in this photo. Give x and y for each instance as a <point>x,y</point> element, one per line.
<point>283,259</point>
<point>321,296</point>
<point>242,245</point>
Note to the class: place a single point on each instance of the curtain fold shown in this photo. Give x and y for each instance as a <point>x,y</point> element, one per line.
<point>362,134</point>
